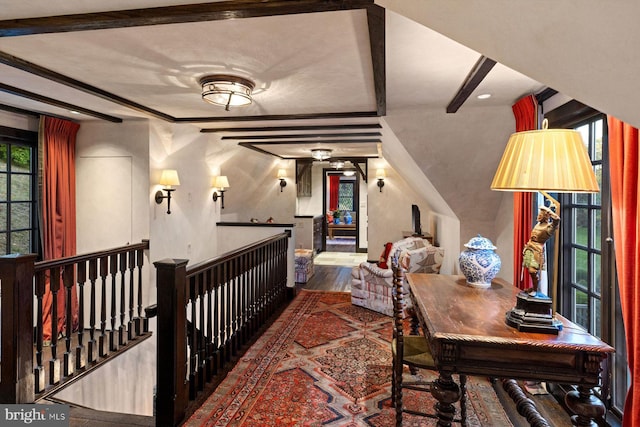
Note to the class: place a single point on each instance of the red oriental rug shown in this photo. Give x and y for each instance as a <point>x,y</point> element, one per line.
<point>325,362</point>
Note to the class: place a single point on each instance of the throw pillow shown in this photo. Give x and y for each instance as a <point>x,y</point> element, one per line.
<point>385,255</point>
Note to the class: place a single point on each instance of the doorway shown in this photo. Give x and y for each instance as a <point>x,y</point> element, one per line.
<point>340,200</point>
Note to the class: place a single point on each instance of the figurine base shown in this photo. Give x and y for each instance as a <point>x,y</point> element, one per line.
<point>533,313</point>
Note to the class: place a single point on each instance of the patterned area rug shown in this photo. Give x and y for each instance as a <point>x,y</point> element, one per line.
<point>325,362</point>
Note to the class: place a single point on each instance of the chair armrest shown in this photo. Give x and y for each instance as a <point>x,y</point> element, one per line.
<point>374,270</point>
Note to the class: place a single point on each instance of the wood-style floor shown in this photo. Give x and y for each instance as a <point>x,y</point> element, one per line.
<point>329,278</point>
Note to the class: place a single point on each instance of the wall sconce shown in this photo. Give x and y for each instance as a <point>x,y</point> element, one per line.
<point>282,174</point>
<point>380,175</point>
<point>168,179</point>
<point>220,183</point>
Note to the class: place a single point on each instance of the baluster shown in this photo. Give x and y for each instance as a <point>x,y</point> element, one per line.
<point>54,363</point>
<point>210,349</point>
<point>192,342</point>
<point>131,328</point>
<point>91,345</point>
<point>202,358</point>
<point>122,336</point>
<point>113,270</point>
<point>233,304</point>
<point>243,300</point>
<point>102,340</point>
<point>38,370</point>
<point>142,323</point>
<point>67,281</point>
<point>227,312</point>
<point>81,359</point>
<point>215,312</point>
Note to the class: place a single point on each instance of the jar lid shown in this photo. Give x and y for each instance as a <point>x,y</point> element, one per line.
<point>479,243</point>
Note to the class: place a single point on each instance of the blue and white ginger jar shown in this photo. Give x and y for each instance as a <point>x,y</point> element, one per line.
<point>479,262</point>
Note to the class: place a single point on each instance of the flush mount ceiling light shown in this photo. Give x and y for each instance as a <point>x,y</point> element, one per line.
<point>226,91</point>
<point>338,164</point>
<point>320,154</point>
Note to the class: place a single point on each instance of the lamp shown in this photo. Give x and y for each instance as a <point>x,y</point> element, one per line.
<point>226,91</point>
<point>545,160</point>
<point>349,172</point>
<point>220,183</point>
<point>320,153</point>
<point>282,174</point>
<point>380,176</point>
<point>168,179</point>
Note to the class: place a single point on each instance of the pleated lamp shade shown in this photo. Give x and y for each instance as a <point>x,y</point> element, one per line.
<point>552,160</point>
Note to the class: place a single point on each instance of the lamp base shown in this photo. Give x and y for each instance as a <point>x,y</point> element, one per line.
<point>533,313</point>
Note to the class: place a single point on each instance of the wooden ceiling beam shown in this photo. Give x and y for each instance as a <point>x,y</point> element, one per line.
<point>475,76</point>
<point>293,128</point>
<point>214,11</point>
<point>302,135</point>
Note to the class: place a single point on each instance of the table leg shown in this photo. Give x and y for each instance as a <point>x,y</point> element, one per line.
<point>585,405</point>
<point>446,392</point>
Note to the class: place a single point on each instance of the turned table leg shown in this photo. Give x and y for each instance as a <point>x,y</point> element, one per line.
<point>446,392</point>
<point>585,405</point>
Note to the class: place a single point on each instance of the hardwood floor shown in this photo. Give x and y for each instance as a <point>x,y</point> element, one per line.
<point>329,278</point>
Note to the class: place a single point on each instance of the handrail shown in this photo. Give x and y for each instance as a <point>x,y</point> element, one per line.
<point>207,314</point>
<point>74,344</point>
<point>74,259</point>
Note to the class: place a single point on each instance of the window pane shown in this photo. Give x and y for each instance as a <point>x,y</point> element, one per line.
<point>596,220</point>
<point>3,243</point>
<point>3,217</point>
<point>3,186</point>
<point>597,148</point>
<point>20,187</point>
<point>345,196</point>
<point>581,313</point>
<point>597,329</point>
<point>596,266</point>
<point>580,227</point>
<point>20,158</point>
<point>3,157</point>
<point>580,275</point>
<point>20,215</point>
<point>20,242</point>
<point>581,198</point>
<point>597,169</point>
<point>584,132</point>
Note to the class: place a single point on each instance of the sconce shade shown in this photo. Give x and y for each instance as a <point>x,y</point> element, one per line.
<point>282,173</point>
<point>226,91</point>
<point>169,178</point>
<point>221,182</point>
<point>320,153</point>
<point>381,174</point>
<point>552,160</point>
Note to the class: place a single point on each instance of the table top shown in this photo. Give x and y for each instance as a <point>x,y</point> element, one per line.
<point>454,311</point>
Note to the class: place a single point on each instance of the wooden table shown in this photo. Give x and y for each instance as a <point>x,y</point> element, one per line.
<point>467,332</point>
<point>333,227</point>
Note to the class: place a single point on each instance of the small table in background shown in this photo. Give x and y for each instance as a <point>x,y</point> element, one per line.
<point>467,333</point>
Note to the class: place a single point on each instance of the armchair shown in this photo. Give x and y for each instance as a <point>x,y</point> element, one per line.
<point>372,284</point>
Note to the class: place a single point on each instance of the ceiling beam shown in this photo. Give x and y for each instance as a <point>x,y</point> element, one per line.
<point>376,21</point>
<point>293,128</point>
<point>214,11</point>
<point>29,67</point>
<point>475,76</point>
<point>345,115</point>
<point>56,103</point>
<point>303,135</point>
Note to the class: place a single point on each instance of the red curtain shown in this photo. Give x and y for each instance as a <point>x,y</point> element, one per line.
<point>334,188</point>
<point>58,210</point>
<point>624,141</point>
<point>526,115</point>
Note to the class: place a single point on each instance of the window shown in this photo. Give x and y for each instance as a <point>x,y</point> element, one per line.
<point>588,289</point>
<point>18,191</point>
<point>345,195</point>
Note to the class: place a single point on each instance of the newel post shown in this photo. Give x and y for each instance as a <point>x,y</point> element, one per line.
<point>17,380</point>
<point>172,387</point>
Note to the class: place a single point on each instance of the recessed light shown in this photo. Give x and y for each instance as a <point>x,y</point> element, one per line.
<point>484,96</point>
<point>74,112</point>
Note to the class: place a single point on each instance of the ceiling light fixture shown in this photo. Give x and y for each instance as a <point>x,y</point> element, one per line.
<point>349,172</point>
<point>320,153</point>
<point>484,96</point>
<point>226,91</point>
<point>338,164</point>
